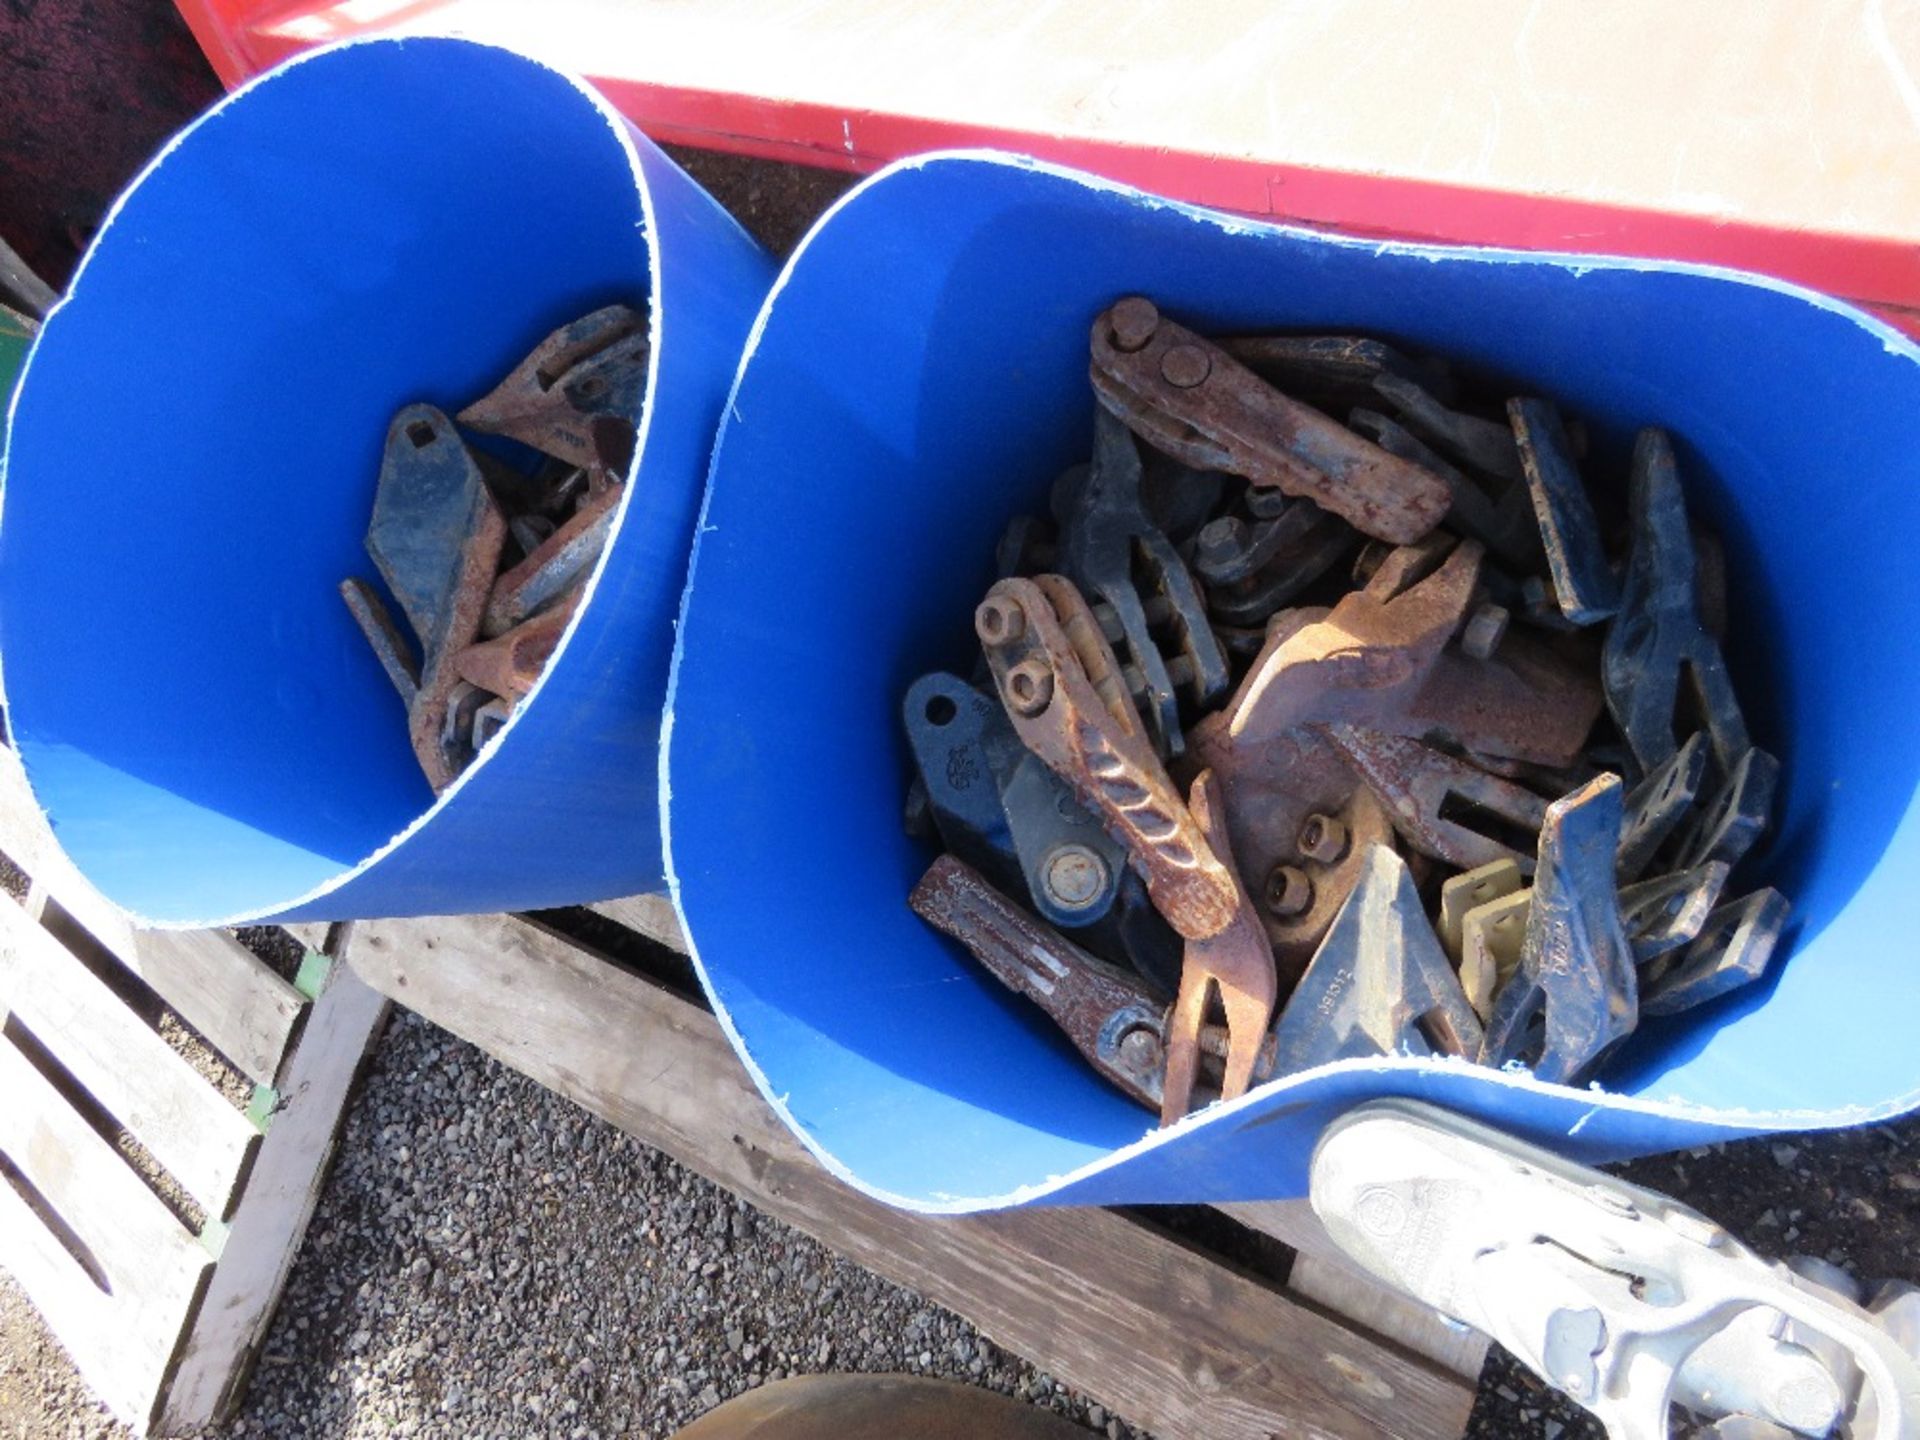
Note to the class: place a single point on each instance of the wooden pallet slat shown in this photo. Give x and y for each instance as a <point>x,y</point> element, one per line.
<point>215,984</point>
<point>120,1333</point>
<point>1321,1271</point>
<point>229,1327</point>
<point>1178,1343</point>
<point>184,1123</point>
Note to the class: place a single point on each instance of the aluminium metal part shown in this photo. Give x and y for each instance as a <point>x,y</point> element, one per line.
<point>1656,806</point>
<point>1606,1290</point>
<point>1664,913</point>
<point>1493,937</point>
<point>961,743</point>
<point>1109,1016</point>
<point>1584,585</point>
<point>1469,890</point>
<point>1576,992</point>
<point>593,368</point>
<point>1731,950</point>
<point>1442,806</point>
<point>1502,522</point>
<point>1187,397</point>
<point>1116,555</point>
<point>1385,658</point>
<point>436,535</point>
<point>556,565</point>
<point>1657,643</point>
<point>1379,984</point>
<point>1733,822</point>
<point>1063,691</point>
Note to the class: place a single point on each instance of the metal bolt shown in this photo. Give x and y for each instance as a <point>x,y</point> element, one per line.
<point>1141,1052</point>
<point>1132,323</point>
<point>1030,686</point>
<point>999,622</point>
<point>1074,876</point>
<point>1185,366</point>
<point>1485,631</point>
<point>1220,541</point>
<point>1289,892</point>
<point>1323,838</point>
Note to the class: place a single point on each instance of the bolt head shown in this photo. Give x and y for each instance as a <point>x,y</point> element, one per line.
<point>1289,892</point>
<point>1323,838</point>
<point>1141,1051</point>
<point>1185,366</point>
<point>1074,876</point>
<point>1029,686</point>
<point>999,621</point>
<point>1485,631</point>
<point>1132,323</point>
<point>1220,540</point>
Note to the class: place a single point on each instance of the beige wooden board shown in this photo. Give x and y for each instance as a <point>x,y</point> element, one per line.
<point>1323,1273</point>
<point>1179,1343</point>
<point>281,1191</point>
<point>650,915</point>
<point>184,1123</point>
<point>216,984</point>
<point>122,1334</point>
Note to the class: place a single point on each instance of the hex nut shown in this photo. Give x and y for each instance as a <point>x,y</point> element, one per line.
<point>1029,686</point>
<point>1323,838</point>
<point>1289,892</point>
<point>999,621</point>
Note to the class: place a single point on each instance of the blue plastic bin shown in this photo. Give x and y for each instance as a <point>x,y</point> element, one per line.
<point>919,374</point>
<point>194,452</point>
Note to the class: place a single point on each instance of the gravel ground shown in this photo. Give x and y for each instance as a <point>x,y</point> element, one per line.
<point>490,1260</point>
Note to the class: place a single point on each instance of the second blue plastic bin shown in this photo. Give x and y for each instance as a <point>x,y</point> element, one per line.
<point>919,375</point>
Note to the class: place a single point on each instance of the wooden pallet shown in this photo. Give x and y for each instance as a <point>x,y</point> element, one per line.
<point>151,1216</point>
<point>1160,1331</point>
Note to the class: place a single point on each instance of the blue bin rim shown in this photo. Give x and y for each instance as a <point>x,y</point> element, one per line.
<point>1309,1086</point>
<point>620,129</point>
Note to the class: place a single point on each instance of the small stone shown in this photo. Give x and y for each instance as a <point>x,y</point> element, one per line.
<point>1864,1209</point>
<point>709,1397</point>
<point>1097,1416</point>
<point>1906,1182</point>
<point>736,1340</point>
<point>1784,1155</point>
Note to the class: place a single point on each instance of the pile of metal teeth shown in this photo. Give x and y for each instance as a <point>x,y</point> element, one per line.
<point>486,552</point>
<point>1366,717</point>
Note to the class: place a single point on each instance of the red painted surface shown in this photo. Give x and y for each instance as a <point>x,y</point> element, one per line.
<point>1882,273</point>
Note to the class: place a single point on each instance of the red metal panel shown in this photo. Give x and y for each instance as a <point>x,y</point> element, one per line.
<point>1592,167</point>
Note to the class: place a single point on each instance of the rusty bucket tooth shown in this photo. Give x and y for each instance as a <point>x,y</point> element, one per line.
<point>1732,824</point>
<point>1656,806</point>
<point>1380,983</point>
<point>1657,642</point>
<point>1732,950</point>
<point>1442,806</point>
<point>1186,396</point>
<point>1662,914</point>
<point>1583,581</point>
<point>594,367</point>
<point>1576,977</point>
